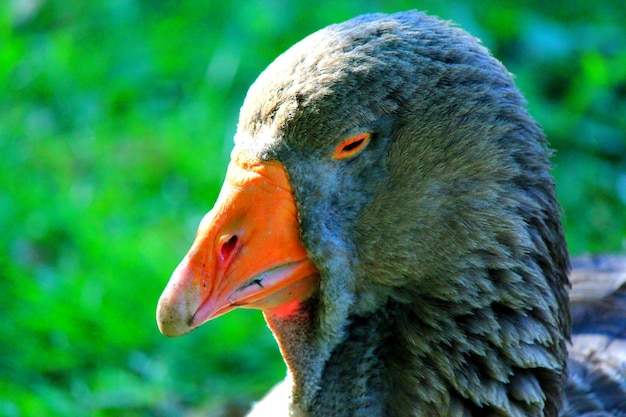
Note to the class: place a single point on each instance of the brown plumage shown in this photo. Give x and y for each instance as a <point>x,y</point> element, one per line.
<point>414,263</point>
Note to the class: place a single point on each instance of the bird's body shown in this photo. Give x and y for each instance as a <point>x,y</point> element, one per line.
<point>597,354</point>
<point>420,266</point>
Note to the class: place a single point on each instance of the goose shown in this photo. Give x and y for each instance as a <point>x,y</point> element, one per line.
<point>390,209</point>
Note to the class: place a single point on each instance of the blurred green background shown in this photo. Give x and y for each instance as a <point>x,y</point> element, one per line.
<point>116,119</point>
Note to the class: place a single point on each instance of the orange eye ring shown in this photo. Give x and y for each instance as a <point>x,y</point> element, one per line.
<point>352,146</point>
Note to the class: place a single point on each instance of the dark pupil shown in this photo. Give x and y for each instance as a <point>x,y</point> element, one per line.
<point>352,145</point>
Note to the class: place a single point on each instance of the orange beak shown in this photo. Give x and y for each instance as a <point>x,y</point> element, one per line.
<point>247,253</point>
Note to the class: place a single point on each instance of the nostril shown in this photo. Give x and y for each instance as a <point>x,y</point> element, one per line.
<point>228,246</point>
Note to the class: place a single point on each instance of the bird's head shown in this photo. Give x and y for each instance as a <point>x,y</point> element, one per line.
<point>385,158</point>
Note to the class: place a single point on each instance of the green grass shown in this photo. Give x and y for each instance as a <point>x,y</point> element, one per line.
<point>116,119</point>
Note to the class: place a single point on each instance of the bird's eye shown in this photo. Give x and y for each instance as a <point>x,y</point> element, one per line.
<point>352,146</point>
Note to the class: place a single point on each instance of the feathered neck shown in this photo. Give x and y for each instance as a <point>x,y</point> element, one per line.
<point>338,374</point>
<point>431,356</point>
<point>474,359</point>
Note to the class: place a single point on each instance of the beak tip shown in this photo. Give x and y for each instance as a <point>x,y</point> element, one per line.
<point>172,320</point>
<point>171,325</point>
<point>178,302</point>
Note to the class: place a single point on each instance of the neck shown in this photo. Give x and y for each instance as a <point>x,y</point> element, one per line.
<point>342,378</point>
<point>483,361</point>
<point>431,356</point>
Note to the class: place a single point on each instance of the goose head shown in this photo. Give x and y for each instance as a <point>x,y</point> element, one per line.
<point>389,207</point>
